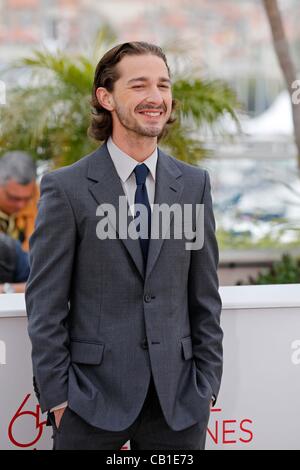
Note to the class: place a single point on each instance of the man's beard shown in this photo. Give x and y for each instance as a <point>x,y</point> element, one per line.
<point>134,126</point>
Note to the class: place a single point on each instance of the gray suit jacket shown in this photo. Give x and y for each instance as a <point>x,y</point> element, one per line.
<point>99,325</point>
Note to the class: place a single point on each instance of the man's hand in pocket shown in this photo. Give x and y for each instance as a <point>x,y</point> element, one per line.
<point>58,414</point>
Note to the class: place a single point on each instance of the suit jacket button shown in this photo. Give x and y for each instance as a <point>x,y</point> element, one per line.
<point>147,298</point>
<point>144,344</point>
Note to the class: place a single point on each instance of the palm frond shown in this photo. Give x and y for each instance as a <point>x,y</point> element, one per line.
<point>49,114</point>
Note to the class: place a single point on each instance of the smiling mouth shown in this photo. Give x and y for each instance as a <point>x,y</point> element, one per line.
<point>151,114</point>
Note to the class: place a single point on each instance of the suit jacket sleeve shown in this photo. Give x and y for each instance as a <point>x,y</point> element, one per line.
<point>204,301</point>
<point>52,247</point>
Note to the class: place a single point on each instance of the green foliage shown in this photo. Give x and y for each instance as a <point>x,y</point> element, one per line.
<point>285,271</point>
<point>49,114</point>
<point>245,241</point>
<point>204,101</point>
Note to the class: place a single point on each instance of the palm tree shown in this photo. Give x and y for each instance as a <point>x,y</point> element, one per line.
<point>50,114</point>
<point>285,60</point>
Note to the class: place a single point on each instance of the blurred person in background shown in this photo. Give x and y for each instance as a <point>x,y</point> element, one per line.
<point>14,266</point>
<point>19,194</point>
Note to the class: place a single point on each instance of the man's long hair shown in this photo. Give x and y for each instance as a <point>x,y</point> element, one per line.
<point>106,74</point>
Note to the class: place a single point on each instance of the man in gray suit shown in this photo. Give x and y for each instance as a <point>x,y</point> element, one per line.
<point>125,330</point>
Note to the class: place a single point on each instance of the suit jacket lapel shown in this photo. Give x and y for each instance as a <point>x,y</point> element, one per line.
<point>168,190</point>
<point>107,188</point>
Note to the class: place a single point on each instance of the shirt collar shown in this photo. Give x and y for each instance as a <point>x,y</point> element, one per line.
<point>125,164</point>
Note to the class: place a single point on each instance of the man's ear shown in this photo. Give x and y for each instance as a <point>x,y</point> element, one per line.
<point>104,98</point>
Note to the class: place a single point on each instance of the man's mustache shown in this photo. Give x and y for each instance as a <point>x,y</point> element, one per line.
<point>151,107</point>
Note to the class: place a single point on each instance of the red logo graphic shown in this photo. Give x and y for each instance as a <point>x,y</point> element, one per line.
<point>230,431</point>
<point>38,424</point>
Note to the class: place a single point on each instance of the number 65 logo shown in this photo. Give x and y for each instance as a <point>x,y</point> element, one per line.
<point>38,424</point>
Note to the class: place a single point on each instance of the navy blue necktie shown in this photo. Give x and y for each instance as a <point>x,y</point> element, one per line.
<point>141,197</point>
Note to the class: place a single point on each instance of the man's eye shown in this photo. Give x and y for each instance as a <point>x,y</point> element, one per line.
<point>138,86</point>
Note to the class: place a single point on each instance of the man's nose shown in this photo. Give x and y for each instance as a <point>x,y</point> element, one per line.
<point>155,97</point>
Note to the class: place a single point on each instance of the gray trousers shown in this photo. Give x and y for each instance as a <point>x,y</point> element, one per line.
<point>148,432</point>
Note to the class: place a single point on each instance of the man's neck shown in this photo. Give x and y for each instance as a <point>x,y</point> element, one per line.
<point>139,149</point>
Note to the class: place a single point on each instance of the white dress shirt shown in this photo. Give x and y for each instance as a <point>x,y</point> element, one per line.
<point>125,165</point>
